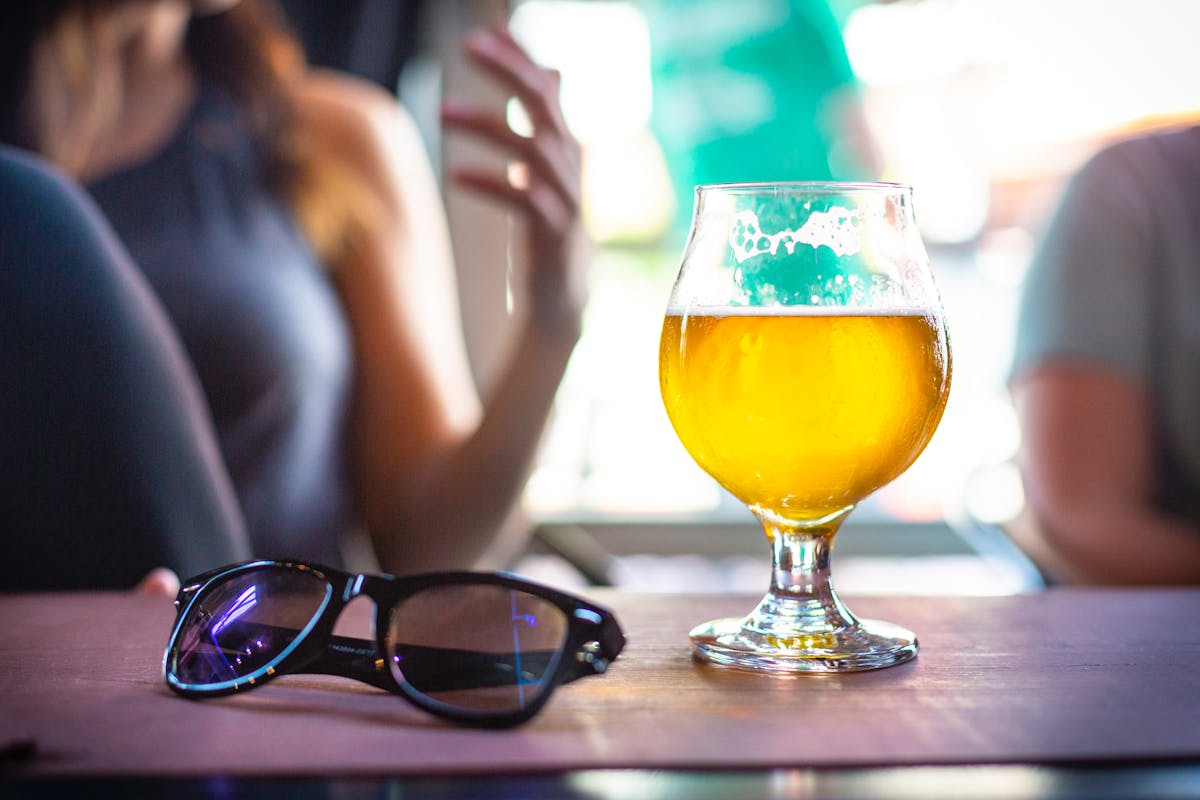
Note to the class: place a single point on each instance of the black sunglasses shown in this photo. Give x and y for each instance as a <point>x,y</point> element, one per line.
<point>482,648</point>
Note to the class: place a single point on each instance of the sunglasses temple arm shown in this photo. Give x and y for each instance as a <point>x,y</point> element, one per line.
<point>437,669</point>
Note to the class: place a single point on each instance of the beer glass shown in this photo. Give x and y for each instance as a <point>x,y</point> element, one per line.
<point>804,363</point>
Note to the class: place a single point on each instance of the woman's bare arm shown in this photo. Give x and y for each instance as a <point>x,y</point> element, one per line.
<point>1088,466</point>
<point>438,471</point>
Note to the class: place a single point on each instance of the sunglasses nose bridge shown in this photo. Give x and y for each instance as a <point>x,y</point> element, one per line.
<point>379,589</point>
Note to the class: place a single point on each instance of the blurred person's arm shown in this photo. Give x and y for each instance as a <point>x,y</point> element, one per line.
<point>1088,463</point>
<point>438,471</point>
<point>111,464</point>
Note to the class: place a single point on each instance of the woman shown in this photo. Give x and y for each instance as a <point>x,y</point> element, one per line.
<point>288,222</point>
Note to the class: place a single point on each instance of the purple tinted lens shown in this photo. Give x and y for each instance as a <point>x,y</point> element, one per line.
<point>239,627</point>
<point>482,648</point>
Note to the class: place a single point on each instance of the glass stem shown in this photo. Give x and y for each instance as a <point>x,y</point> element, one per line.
<point>801,601</point>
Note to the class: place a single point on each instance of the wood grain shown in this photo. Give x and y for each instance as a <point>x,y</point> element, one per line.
<point>1064,676</point>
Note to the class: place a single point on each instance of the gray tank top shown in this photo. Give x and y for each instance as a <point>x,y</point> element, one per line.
<point>259,318</point>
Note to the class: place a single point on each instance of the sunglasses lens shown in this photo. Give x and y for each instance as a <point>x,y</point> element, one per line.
<point>481,648</point>
<point>239,628</point>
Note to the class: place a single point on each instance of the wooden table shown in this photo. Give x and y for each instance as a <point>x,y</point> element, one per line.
<point>1099,685</point>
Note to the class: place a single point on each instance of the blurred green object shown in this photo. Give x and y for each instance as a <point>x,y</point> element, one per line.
<point>747,91</point>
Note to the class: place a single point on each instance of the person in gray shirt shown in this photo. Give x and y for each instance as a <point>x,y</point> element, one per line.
<point>1106,373</point>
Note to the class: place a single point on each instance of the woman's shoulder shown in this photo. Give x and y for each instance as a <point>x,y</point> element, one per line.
<point>346,96</point>
<point>356,119</point>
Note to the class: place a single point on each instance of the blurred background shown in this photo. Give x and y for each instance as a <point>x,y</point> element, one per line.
<point>983,106</point>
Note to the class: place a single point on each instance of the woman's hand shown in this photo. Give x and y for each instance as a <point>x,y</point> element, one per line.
<point>439,472</point>
<point>545,187</point>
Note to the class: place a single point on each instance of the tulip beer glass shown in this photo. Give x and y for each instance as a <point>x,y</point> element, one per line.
<point>804,363</point>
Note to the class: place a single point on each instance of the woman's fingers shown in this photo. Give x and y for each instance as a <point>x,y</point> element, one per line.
<point>554,161</point>
<point>497,53</point>
<point>544,207</point>
<point>546,187</point>
<point>550,193</point>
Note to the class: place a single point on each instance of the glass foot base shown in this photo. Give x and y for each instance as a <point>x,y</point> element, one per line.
<point>870,644</point>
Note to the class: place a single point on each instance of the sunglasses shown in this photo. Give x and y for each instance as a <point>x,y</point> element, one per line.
<point>480,648</point>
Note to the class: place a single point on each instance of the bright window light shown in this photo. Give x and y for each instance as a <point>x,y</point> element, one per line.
<point>602,50</point>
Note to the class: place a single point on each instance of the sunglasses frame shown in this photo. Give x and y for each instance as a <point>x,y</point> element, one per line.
<point>593,636</point>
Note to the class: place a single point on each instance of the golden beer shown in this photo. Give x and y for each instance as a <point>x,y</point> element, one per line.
<point>804,411</point>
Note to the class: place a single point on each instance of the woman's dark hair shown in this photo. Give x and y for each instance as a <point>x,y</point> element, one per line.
<point>248,50</point>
